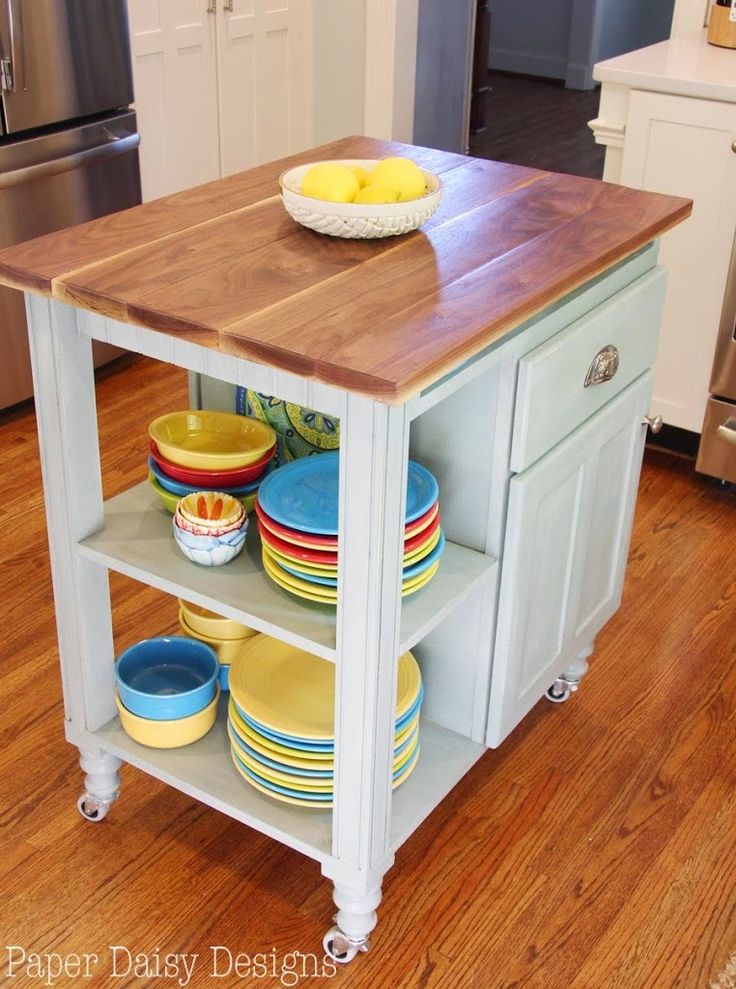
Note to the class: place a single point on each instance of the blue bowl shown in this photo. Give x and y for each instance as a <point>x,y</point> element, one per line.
<point>167,678</point>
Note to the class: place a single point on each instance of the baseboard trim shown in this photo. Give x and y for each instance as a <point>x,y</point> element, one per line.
<point>676,440</point>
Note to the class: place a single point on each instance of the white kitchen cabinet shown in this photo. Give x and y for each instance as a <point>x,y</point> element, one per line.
<point>219,86</point>
<point>679,140</point>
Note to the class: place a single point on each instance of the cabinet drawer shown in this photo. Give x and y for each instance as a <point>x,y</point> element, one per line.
<point>552,397</point>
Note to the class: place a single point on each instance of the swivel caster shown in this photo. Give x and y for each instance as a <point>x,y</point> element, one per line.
<point>340,948</point>
<point>92,809</point>
<point>559,692</point>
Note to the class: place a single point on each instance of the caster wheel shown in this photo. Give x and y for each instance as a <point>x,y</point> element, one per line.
<point>92,809</point>
<point>340,948</point>
<point>559,692</point>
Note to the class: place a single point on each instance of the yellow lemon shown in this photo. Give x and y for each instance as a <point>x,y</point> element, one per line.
<point>331,182</point>
<point>360,173</point>
<point>376,194</point>
<point>400,174</point>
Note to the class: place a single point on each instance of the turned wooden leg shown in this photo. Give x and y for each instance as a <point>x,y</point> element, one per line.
<point>569,681</point>
<point>101,782</point>
<point>355,919</point>
<point>575,672</point>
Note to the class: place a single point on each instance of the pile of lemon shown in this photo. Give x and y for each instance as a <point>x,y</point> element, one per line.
<point>391,180</point>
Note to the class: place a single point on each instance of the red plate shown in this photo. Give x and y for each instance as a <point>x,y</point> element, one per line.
<point>211,478</point>
<point>291,549</point>
<point>311,541</point>
<point>312,554</point>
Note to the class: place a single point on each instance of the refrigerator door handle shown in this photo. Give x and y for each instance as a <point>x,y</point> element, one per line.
<point>90,156</point>
<point>13,65</point>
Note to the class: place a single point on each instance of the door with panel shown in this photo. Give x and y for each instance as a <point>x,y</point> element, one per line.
<point>174,69</point>
<point>567,535</point>
<point>263,72</point>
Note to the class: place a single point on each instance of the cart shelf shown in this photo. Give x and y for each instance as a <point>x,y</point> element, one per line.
<point>204,771</point>
<point>136,540</point>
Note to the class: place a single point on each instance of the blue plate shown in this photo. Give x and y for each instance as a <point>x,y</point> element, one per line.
<point>300,745</point>
<point>301,794</point>
<point>176,487</point>
<point>282,767</point>
<point>413,571</point>
<point>304,495</point>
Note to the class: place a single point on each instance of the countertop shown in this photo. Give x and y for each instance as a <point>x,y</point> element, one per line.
<point>686,66</point>
<point>223,265</point>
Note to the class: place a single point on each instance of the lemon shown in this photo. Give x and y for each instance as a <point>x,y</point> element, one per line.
<point>331,182</point>
<point>400,174</point>
<point>360,173</point>
<point>376,194</point>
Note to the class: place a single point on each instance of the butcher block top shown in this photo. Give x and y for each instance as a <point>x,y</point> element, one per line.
<point>223,265</point>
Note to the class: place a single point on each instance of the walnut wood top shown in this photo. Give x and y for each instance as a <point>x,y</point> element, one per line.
<point>225,266</point>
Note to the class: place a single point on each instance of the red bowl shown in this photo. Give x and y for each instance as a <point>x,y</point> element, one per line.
<point>212,479</point>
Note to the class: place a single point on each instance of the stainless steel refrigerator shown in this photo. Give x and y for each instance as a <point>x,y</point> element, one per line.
<point>68,142</point>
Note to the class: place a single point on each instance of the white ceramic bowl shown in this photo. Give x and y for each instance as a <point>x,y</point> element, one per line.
<point>357,220</point>
<point>210,551</point>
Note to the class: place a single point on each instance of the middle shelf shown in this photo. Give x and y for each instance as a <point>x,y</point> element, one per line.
<point>137,540</point>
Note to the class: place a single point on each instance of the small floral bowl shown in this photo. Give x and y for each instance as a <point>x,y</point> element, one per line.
<point>206,530</point>
<point>210,509</point>
<point>211,551</point>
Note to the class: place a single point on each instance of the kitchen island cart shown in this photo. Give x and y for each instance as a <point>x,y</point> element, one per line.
<point>506,345</point>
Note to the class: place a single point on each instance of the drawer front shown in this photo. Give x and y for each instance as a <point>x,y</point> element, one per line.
<point>552,397</point>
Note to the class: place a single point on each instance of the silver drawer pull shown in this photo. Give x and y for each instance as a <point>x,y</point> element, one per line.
<point>604,366</point>
<point>727,431</point>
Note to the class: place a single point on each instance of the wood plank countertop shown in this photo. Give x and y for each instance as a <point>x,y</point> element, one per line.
<point>224,265</point>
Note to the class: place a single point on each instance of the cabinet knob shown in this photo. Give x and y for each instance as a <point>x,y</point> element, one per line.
<point>733,147</point>
<point>654,423</point>
<point>212,7</point>
<point>228,6</point>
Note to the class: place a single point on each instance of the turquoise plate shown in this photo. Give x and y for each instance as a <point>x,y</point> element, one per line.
<point>304,494</point>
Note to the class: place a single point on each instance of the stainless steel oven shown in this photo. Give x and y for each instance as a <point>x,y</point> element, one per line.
<point>717,451</point>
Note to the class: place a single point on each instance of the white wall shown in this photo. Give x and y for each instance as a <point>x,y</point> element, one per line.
<point>530,36</point>
<point>339,68</point>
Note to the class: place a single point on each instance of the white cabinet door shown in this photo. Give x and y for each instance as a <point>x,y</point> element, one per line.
<point>264,80</point>
<point>683,147</point>
<point>567,536</point>
<point>173,46</point>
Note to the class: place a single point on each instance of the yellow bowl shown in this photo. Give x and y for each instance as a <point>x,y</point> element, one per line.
<point>226,649</point>
<point>207,440</point>
<point>206,622</point>
<point>168,734</point>
<point>170,501</point>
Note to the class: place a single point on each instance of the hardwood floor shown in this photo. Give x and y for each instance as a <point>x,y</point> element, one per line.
<point>594,850</point>
<point>537,122</point>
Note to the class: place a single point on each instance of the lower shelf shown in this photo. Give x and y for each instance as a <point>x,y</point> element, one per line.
<point>204,771</point>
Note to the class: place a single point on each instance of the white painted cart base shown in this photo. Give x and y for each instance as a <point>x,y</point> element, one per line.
<point>489,644</point>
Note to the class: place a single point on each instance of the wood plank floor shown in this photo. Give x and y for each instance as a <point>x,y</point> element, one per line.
<point>594,850</point>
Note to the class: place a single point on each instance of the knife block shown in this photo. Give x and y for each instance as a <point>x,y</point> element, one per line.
<point>721,29</point>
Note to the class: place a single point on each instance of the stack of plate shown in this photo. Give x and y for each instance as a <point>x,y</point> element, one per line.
<point>209,451</point>
<point>281,721</point>
<point>297,519</point>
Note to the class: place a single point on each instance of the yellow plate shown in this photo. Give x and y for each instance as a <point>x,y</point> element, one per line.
<point>328,595</point>
<point>207,622</point>
<point>292,692</point>
<point>283,753</point>
<point>170,501</point>
<point>317,805</point>
<point>311,784</point>
<point>209,440</point>
<point>168,734</point>
<point>275,572</point>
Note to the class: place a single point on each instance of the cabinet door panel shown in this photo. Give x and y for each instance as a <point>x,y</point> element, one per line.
<point>264,48</point>
<point>173,49</point>
<point>567,535</point>
<point>682,147</point>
